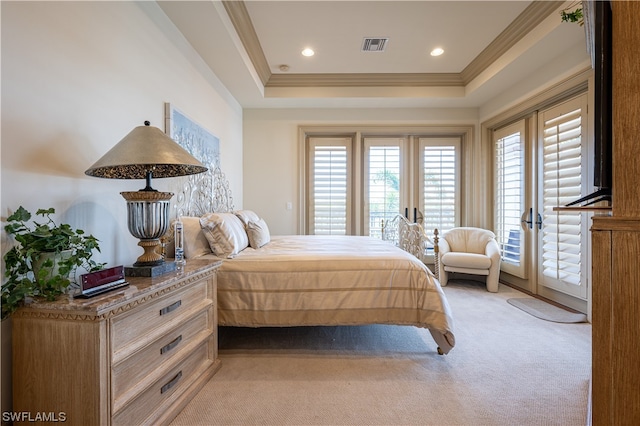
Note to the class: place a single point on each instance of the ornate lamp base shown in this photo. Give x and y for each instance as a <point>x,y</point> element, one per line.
<point>151,256</point>
<point>148,220</point>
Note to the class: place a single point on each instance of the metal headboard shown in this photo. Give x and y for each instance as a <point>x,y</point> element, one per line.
<point>204,193</point>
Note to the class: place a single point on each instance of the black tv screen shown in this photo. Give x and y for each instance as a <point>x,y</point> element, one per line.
<point>601,27</point>
<point>598,26</point>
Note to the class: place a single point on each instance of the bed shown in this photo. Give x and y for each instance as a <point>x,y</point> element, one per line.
<point>303,280</point>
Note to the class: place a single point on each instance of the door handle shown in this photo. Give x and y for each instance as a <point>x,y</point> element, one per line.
<point>539,221</point>
<point>528,218</point>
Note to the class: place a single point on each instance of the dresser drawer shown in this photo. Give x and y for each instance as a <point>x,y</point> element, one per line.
<point>147,364</point>
<point>138,327</point>
<point>165,390</point>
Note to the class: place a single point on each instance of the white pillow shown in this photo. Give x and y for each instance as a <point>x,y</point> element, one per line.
<point>246,216</point>
<point>225,234</point>
<point>258,233</point>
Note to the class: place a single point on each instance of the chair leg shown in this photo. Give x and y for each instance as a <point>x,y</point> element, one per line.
<point>492,284</point>
<point>444,278</point>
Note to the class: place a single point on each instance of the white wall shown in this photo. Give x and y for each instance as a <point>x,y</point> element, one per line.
<point>271,150</point>
<point>76,78</point>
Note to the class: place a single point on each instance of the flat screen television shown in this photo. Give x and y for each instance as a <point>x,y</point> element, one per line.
<point>598,29</point>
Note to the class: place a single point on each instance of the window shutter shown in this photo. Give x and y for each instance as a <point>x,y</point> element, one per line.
<point>562,183</point>
<point>330,189</point>
<point>440,192</point>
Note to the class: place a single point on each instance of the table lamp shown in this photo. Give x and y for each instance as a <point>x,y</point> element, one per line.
<point>144,153</point>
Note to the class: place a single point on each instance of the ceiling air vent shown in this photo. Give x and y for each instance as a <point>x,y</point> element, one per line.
<point>377,44</point>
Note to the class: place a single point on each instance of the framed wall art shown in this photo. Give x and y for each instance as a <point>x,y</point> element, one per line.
<point>204,192</point>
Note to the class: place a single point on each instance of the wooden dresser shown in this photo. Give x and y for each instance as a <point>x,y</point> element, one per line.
<point>132,356</point>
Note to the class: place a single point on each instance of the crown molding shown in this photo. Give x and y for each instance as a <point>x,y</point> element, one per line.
<point>241,21</point>
<point>531,17</point>
<point>364,80</point>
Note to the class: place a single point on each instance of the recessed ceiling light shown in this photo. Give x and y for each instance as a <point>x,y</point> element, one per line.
<point>437,51</point>
<point>308,52</point>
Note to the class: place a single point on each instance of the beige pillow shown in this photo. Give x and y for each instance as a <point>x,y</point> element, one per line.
<point>225,234</point>
<point>195,242</point>
<point>246,216</point>
<point>258,233</point>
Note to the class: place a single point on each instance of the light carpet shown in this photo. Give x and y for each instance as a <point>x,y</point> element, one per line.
<point>508,368</point>
<point>543,310</point>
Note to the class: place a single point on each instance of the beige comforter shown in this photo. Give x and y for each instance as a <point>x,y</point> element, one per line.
<point>332,280</point>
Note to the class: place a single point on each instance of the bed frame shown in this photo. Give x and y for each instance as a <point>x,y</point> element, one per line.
<point>412,238</point>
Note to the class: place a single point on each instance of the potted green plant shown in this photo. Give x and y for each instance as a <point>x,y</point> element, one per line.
<point>573,14</point>
<point>46,256</point>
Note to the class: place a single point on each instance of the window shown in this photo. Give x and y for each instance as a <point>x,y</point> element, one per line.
<point>329,186</point>
<point>440,183</point>
<point>352,183</point>
<point>382,183</point>
<point>510,196</point>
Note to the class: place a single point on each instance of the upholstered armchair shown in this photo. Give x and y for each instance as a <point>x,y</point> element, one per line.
<point>469,251</point>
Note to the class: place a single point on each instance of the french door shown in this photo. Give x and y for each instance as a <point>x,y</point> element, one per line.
<point>510,208</point>
<point>563,239</point>
<point>416,176</point>
<point>540,164</point>
<point>353,182</point>
<point>385,182</point>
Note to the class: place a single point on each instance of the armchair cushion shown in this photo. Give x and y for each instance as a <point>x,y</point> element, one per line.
<point>466,260</point>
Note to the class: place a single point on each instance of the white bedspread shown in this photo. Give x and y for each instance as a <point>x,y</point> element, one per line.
<point>332,280</point>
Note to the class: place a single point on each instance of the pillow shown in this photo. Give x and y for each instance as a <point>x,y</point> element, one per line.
<point>246,216</point>
<point>225,234</point>
<point>258,233</point>
<point>195,242</point>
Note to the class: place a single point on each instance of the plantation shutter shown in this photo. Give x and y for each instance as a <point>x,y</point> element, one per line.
<point>440,187</point>
<point>330,188</point>
<point>510,196</point>
<point>563,256</point>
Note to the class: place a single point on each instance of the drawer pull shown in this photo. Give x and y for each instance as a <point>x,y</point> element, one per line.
<point>171,345</point>
<point>171,307</point>
<point>171,382</point>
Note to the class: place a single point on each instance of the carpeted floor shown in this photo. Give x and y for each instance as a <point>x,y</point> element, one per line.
<point>508,368</point>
